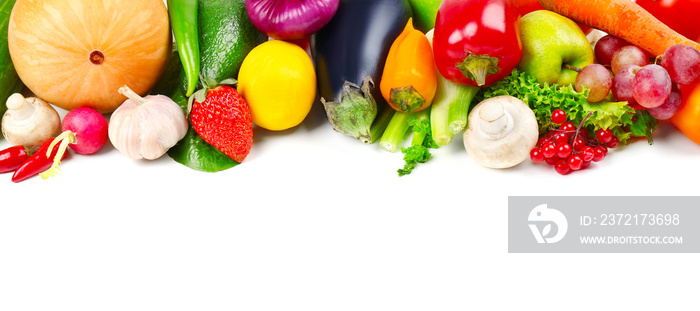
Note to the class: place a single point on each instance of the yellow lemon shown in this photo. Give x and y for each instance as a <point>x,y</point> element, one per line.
<point>278,81</point>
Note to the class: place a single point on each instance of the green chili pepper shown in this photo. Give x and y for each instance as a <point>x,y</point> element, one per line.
<point>183,20</point>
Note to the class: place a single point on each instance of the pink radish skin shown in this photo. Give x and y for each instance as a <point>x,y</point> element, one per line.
<point>89,127</point>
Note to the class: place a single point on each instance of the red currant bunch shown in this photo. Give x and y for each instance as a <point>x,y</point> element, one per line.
<point>568,147</point>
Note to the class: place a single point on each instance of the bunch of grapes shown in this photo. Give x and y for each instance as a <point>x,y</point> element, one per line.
<point>568,148</point>
<point>634,78</point>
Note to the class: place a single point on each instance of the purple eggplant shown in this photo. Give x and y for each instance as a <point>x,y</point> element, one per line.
<point>350,52</point>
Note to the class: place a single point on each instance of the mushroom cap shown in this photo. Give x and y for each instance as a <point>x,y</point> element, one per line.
<point>33,129</point>
<point>502,130</point>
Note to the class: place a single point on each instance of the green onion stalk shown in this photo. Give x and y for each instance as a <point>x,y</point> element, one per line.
<point>448,115</point>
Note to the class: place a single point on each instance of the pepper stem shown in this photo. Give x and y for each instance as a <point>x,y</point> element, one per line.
<point>406,98</point>
<point>64,139</point>
<point>136,98</point>
<point>477,67</point>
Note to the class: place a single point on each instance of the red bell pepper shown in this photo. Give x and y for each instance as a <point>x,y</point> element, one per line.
<point>477,42</point>
<point>11,158</point>
<point>680,15</point>
<point>527,6</point>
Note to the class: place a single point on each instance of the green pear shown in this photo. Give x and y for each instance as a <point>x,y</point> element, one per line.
<point>553,48</point>
<point>424,13</point>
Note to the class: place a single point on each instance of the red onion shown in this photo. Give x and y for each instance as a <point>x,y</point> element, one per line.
<point>290,19</point>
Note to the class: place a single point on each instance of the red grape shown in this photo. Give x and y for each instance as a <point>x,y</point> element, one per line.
<point>597,79</point>
<point>682,63</point>
<point>651,86</point>
<point>606,47</point>
<point>622,84</point>
<point>628,55</point>
<point>670,106</point>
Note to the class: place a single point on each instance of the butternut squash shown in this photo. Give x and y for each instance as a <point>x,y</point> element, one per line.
<point>75,53</point>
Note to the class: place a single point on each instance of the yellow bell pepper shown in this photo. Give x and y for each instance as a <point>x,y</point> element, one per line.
<point>409,80</point>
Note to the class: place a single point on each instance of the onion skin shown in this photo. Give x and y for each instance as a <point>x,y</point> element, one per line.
<point>290,19</point>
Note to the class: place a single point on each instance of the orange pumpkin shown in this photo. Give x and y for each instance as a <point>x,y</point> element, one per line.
<point>75,53</point>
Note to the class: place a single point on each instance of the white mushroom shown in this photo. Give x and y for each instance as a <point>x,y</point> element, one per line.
<point>501,132</point>
<point>29,121</point>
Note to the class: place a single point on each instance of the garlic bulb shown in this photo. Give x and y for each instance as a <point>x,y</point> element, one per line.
<point>146,127</point>
<point>29,121</point>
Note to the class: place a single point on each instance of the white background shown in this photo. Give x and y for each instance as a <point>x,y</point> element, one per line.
<point>314,220</point>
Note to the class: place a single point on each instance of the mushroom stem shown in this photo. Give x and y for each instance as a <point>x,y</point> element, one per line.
<point>494,116</point>
<point>19,107</point>
<point>126,91</point>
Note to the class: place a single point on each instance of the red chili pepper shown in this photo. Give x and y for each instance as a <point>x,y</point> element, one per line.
<point>38,162</point>
<point>11,158</point>
<point>477,42</point>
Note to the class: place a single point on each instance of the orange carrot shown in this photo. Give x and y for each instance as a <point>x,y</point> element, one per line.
<point>621,18</point>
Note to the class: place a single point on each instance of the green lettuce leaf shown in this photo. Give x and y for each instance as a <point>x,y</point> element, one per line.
<point>620,118</point>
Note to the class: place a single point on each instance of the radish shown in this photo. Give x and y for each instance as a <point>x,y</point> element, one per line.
<point>89,128</point>
<point>84,130</point>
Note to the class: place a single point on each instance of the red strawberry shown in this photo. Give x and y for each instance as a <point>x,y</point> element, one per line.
<point>223,120</point>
